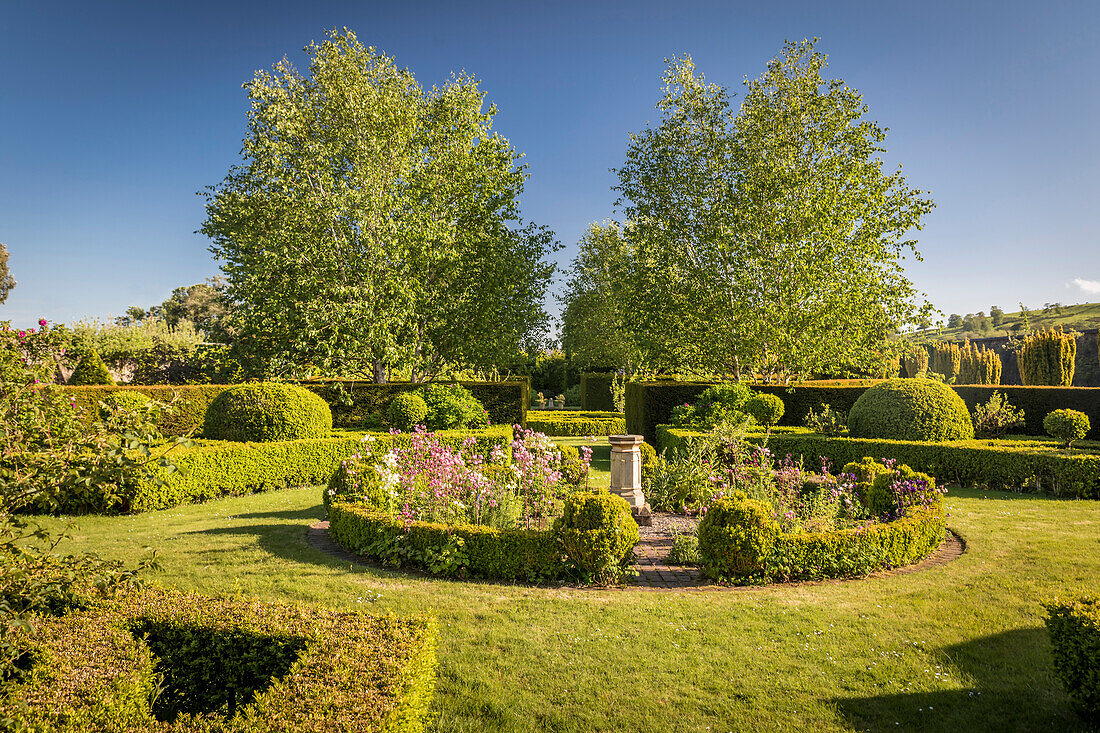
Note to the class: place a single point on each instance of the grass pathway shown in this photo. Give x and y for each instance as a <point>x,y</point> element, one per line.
<point>959,647</point>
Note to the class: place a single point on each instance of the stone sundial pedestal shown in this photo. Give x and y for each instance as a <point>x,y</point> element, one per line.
<point>626,475</point>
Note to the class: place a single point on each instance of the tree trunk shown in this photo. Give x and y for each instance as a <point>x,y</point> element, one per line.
<point>379,372</point>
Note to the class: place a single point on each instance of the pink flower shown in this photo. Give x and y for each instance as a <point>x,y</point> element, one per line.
<point>42,322</point>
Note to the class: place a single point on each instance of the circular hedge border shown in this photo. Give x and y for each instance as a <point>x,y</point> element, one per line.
<point>910,409</point>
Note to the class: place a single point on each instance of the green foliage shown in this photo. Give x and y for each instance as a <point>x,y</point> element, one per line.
<point>596,392</point>
<point>124,400</point>
<point>267,411</point>
<point>90,370</point>
<point>1067,426</point>
<point>189,403</point>
<point>405,205</point>
<point>946,360</point>
<point>876,487</point>
<point>571,423</point>
<point>486,552</point>
<point>452,406</point>
<point>717,405</point>
<point>766,409</point>
<point>7,282</point>
<point>827,421</point>
<point>978,366</point>
<point>598,535</point>
<point>996,417</point>
<point>716,224</point>
<point>684,550</point>
<point>232,665</point>
<point>1007,464</point>
<point>407,410</point>
<point>736,537</point>
<point>1047,357</point>
<point>910,409</point>
<point>1074,627</point>
<point>914,362</point>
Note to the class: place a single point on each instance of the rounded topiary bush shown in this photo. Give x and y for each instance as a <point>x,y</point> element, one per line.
<point>407,410</point>
<point>735,537</point>
<point>766,409</point>
<point>910,409</point>
<point>90,371</point>
<point>1067,425</point>
<point>598,533</point>
<point>452,406</point>
<point>267,411</point>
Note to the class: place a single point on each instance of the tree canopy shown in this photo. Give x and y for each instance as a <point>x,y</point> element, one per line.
<point>767,239</point>
<point>374,224</point>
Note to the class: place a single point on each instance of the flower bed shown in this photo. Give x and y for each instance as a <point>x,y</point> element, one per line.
<point>277,667</point>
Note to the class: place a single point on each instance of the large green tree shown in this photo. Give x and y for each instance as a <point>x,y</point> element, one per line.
<point>374,224</point>
<point>769,238</point>
<point>7,282</point>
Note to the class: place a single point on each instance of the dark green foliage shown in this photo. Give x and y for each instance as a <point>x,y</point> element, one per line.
<point>596,392</point>
<point>1074,627</point>
<point>188,403</point>
<point>598,533</point>
<point>1036,402</point>
<point>1047,358</point>
<point>910,409</point>
<point>766,409</point>
<point>407,410</point>
<point>996,417</point>
<point>649,404</point>
<point>268,411</point>
<point>1067,426</point>
<point>569,422</point>
<point>719,404</point>
<point>736,537</point>
<point>278,667</point>
<point>452,406</point>
<point>459,550</point>
<point>1009,465</point>
<point>90,370</point>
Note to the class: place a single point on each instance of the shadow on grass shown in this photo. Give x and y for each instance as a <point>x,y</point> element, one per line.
<point>315,513</point>
<point>1013,690</point>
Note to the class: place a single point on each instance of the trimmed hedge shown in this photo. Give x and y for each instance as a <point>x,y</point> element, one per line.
<point>1074,628</point>
<point>267,411</point>
<point>649,404</point>
<point>998,464</point>
<point>507,554</point>
<point>598,533</point>
<point>363,404</point>
<point>910,409</point>
<point>571,422</point>
<point>212,469</point>
<point>596,392</point>
<point>277,667</point>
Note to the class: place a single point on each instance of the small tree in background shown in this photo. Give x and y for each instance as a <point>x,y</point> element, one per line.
<point>946,359</point>
<point>1047,358</point>
<point>954,320</point>
<point>7,282</point>
<point>997,316</point>
<point>979,365</point>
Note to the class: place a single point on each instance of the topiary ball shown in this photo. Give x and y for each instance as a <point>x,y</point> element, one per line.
<point>452,406</point>
<point>90,371</point>
<point>267,411</point>
<point>910,409</point>
<point>766,409</point>
<point>407,410</point>
<point>735,537</point>
<point>1067,425</point>
<point>598,533</point>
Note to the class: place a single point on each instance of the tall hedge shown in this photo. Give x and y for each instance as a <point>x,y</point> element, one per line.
<point>649,404</point>
<point>1047,358</point>
<point>596,392</point>
<point>946,359</point>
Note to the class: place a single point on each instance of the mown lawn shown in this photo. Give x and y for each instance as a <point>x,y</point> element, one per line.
<point>956,648</point>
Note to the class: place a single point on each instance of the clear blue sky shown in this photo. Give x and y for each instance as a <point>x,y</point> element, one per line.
<point>113,116</point>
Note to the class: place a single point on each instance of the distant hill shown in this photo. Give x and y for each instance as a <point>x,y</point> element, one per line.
<point>1081,317</point>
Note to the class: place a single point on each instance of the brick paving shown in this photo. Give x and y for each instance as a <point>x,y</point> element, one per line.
<point>654,571</point>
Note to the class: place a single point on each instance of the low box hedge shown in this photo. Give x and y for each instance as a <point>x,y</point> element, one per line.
<point>596,391</point>
<point>211,469</point>
<point>354,404</point>
<point>1074,627</point>
<point>220,664</point>
<point>998,464</point>
<point>649,404</point>
<point>506,554</point>
<point>572,422</point>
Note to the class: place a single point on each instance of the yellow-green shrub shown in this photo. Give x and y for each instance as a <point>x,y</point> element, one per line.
<point>266,412</point>
<point>1048,357</point>
<point>1074,627</point>
<point>598,533</point>
<point>910,409</point>
<point>1067,426</point>
<point>736,538</point>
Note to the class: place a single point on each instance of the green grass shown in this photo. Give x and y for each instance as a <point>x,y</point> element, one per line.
<point>1072,317</point>
<point>959,647</point>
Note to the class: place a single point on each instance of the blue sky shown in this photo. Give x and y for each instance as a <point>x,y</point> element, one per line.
<point>113,116</point>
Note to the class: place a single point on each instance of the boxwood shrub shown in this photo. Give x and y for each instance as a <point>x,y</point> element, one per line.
<point>598,534</point>
<point>910,409</point>
<point>1074,627</point>
<point>267,411</point>
<point>1013,465</point>
<point>271,667</point>
<point>575,422</point>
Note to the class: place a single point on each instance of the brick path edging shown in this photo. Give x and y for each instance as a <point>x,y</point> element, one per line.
<point>654,572</point>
